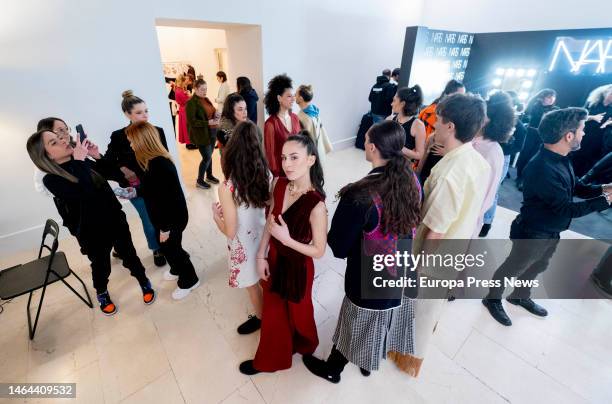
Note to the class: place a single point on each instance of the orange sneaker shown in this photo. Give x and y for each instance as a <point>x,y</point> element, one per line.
<point>148,294</point>
<point>107,306</point>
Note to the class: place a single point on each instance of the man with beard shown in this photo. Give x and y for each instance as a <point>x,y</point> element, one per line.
<point>548,209</point>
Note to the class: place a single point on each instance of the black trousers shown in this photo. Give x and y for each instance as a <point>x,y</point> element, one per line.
<point>99,252</point>
<point>205,166</point>
<point>206,153</point>
<point>179,261</point>
<point>527,259</point>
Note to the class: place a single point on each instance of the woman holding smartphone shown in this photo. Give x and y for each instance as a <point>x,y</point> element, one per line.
<point>93,214</point>
<point>161,189</point>
<point>296,232</point>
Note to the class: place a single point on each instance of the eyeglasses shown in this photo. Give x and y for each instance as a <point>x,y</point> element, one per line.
<point>63,131</point>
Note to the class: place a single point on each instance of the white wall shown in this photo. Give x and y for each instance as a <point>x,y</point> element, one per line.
<point>194,45</point>
<point>73,59</point>
<point>516,15</point>
<point>245,59</point>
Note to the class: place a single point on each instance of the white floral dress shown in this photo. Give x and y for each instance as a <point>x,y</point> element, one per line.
<point>243,247</point>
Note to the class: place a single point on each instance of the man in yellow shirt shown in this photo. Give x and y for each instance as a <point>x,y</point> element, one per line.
<point>454,194</point>
<point>456,188</point>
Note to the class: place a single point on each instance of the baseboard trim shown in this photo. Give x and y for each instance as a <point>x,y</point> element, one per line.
<point>344,143</point>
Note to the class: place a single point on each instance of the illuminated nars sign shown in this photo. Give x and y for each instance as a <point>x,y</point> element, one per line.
<point>591,56</point>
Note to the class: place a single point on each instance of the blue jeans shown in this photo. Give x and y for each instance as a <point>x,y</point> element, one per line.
<point>147,226</point>
<point>490,214</point>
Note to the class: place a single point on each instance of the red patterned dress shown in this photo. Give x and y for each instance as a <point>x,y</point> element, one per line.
<point>243,247</point>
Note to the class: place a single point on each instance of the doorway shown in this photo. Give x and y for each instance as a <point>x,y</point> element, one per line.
<point>208,47</point>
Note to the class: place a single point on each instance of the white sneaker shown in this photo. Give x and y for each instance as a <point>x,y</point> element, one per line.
<point>179,293</point>
<point>169,277</point>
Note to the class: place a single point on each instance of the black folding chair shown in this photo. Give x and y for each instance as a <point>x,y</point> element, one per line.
<point>40,273</point>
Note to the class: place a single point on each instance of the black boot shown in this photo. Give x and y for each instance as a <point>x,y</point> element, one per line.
<point>530,306</point>
<point>364,372</point>
<point>497,311</point>
<point>319,367</point>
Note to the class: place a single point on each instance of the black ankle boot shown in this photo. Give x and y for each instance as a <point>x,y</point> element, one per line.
<point>497,311</point>
<point>319,367</point>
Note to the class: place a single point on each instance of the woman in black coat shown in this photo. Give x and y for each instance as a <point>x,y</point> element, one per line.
<point>161,189</point>
<point>89,208</point>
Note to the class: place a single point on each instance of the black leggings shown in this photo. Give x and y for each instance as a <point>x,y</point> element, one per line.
<point>99,252</point>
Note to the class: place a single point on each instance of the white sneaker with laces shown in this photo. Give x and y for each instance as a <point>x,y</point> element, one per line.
<point>169,277</point>
<point>179,293</point>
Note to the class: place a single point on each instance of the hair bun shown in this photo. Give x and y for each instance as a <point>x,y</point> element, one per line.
<point>127,94</point>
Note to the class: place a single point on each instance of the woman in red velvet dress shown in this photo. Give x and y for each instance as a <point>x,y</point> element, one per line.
<point>282,123</point>
<point>296,233</point>
<point>181,97</point>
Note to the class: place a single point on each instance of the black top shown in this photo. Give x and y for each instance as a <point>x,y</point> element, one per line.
<point>430,161</point>
<point>535,114</point>
<point>410,140</point>
<point>354,216</point>
<point>548,191</point>
<point>251,98</point>
<point>381,96</point>
<point>88,207</point>
<point>517,140</point>
<point>121,154</point>
<point>161,189</point>
<point>595,142</point>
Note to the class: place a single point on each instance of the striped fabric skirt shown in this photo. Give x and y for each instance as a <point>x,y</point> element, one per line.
<point>366,336</point>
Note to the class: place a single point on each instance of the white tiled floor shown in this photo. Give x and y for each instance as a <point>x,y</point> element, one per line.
<point>188,351</point>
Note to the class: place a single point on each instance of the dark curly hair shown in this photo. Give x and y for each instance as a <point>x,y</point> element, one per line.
<point>228,106</point>
<point>244,163</point>
<point>500,111</point>
<point>556,124</point>
<point>396,186</point>
<point>276,87</point>
<point>316,170</point>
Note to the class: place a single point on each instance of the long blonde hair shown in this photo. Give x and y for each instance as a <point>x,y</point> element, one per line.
<point>181,80</point>
<point>597,96</point>
<point>36,149</point>
<point>144,139</point>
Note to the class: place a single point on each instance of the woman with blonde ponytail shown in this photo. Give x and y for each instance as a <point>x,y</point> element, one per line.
<point>374,213</point>
<point>120,153</point>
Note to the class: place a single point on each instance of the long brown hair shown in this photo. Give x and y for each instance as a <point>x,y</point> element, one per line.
<point>144,139</point>
<point>243,162</point>
<point>396,185</point>
<point>36,149</point>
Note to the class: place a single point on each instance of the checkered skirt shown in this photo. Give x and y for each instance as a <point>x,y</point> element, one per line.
<point>364,336</point>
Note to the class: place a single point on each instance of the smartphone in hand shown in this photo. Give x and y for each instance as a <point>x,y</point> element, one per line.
<point>81,132</point>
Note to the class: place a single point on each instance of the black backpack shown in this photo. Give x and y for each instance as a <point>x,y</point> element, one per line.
<point>366,123</point>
